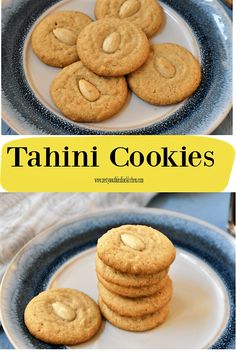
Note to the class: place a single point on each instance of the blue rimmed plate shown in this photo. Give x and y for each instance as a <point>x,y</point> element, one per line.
<point>203,277</point>
<point>202,26</point>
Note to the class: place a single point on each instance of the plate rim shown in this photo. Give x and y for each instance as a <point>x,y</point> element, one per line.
<point>208,131</point>
<point>138,210</point>
<point>29,129</point>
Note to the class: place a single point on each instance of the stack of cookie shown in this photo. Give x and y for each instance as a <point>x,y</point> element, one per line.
<point>132,266</point>
<point>97,56</point>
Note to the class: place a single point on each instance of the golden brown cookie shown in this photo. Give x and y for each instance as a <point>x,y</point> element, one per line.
<point>141,306</point>
<point>135,324</point>
<point>84,96</point>
<point>170,75</point>
<point>229,3</point>
<point>62,316</point>
<point>54,38</point>
<point>147,14</point>
<point>132,291</point>
<point>112,47</point>
<point>124,279</point>
<point>136,249</point>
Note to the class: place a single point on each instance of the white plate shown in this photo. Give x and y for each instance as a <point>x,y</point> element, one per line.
<point>202,309</point>
<point>201,26</point>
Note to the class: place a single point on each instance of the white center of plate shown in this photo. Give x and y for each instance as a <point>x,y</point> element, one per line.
<point>136,113</point>
<point>199,308</point>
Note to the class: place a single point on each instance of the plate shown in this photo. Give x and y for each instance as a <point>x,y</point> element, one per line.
<point>203,278</point>
<point>202,26</point>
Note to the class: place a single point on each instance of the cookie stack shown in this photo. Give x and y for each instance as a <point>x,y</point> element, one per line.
<point>132,265</point>
<point>102,58</point>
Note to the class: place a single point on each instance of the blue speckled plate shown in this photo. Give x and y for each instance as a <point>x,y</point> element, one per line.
<point>202,26</point>
<point>203,277</point>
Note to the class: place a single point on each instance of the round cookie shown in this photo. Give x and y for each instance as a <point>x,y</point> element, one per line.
<point>124,279</point>
<point>147,14</point>
<point>112,47</point>
<point>131,291</point>
<point>170,75</point>
<point>134,324</point>
<point>54,38</point>
<point>84,96</point>
<point>136,307</point>
<point>136,249</point>
<point>62,316</point>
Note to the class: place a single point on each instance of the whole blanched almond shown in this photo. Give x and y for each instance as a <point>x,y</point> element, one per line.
<point>129,8</point>
<point>133,242</point>
<point>88,90</point>
<point>111,43</point>
<point>165,68</point>
<point>65,35</point>
<point>63,311</point>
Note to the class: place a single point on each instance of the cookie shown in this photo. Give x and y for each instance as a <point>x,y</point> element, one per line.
<point>54,38</point>
<point>136,249</point>
<point>84,96</point>
<point>62,316</point>
<point>135,324</point>
<point>124,279</point>
<point>229,2</point>
<point>132,291</point>
<point>141,306</point>
<point>170,75</point>
<point>147,14</point>
<point>112,47</point>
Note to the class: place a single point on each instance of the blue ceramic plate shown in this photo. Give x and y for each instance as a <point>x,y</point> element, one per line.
<point>202,274</point>
<point>202,26</point>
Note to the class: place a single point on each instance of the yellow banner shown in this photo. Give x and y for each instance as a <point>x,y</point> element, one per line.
<point>116,164</point>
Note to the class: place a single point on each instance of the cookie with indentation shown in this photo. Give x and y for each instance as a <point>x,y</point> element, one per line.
<point>54,38</point>
<point>84,96</point>
<point>170,75</point>
<point>136,249</point>
<point>62,316</point>
<point>140,306</point>
<point>112,47</point>
<point>147,14</point>
<point>124,279</point>
<point>133,291</point>
<point>134,324</point>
